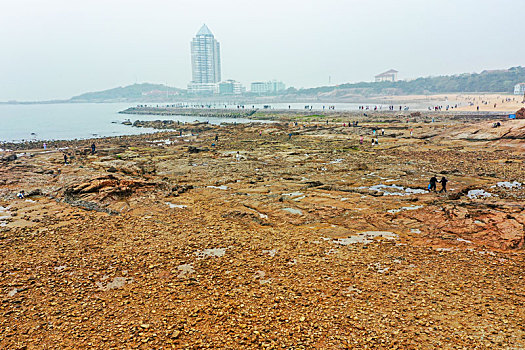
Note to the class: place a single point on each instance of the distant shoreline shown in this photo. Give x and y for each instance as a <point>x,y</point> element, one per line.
<point>487,102</point>
<point>221,99</point>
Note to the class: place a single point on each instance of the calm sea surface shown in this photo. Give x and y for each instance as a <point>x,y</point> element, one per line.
<point>78,121</point>
<point>69,121</point>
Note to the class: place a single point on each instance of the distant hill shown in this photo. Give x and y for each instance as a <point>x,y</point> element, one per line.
<point>497,81</point>
<point>502,81</point>
<point>135,92</point>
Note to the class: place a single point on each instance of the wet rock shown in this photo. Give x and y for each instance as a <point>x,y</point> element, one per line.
<point>193,149</point>
<point>9,158</point>
<point>177,190</point>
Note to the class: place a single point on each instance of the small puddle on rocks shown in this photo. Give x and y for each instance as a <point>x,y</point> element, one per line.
<point>394,190</point>
<point>222,187</point>
<point>352,290</point>
<point>270,252</point>
<point>117,282</point>
<point>444,249</point>
<point>261,215</point>
<point>365,237</point>
<point>508,185</point>
<point>184,270</point>
<point>59,268</point>
<point>173,206</point>
<point>12,292</point>
<point>165,142</point>
<point>259,275</point>
<point>211,252</point>
<point>293,194</point>
<point>4,216</point>
<point>293,211</point>
<point>378,267</point>
<point>412,207</point>
<point>473,194</point>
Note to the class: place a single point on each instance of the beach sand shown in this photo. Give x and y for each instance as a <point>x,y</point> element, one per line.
<point>466,102</point>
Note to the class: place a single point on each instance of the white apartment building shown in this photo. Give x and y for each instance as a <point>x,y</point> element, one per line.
<point>205,62</point>
<point>260,87</point>
<point>519,89</point>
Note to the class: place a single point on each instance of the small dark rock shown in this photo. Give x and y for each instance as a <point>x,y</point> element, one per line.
<point>37,192</point>
<point>9,158</point>
<point>454,196</point>
<point>313,184</point>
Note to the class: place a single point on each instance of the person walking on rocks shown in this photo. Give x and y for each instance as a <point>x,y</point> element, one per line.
<point>432,184</point>
<point>93,148</point>
<point>443,182</point>
<point>65,158</point>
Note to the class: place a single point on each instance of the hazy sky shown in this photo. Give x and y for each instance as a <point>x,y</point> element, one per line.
<point>60,48</point>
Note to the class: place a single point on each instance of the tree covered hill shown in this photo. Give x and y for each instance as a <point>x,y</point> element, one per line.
<point>502,81</point>
<point>135,92</point>
<point>497,81</point>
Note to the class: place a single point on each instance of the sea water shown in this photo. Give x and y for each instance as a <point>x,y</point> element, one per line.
<point>69,121</point>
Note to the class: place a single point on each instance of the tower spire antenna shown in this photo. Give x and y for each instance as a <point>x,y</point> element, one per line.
<point>204,30</point>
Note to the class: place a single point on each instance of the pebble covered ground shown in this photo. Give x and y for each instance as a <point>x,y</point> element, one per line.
<point>267,240</point>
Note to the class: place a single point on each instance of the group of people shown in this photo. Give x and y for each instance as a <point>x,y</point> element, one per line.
<point>375,108</point>
<point>439,108</point>
<point>433,182</point>
<point>93,150</point>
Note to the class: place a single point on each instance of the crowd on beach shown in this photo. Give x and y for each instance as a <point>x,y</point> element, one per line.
<point>440,108</point>
<point>380,108</point>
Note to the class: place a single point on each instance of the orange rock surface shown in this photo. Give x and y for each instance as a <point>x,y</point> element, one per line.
<point>301,242</point>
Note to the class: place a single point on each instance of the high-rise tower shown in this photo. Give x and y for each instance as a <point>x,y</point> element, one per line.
<point>205,62</point>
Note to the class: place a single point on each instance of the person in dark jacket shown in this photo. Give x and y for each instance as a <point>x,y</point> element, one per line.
<point>433,181</point>
<point>443,182</point>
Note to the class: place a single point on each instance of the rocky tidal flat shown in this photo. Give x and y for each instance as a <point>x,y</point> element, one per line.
<point>283,235</point>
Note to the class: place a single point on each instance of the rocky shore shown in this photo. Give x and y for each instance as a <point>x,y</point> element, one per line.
<point>289,114</point>
<point>296,234</point>
<point>203,112</point>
